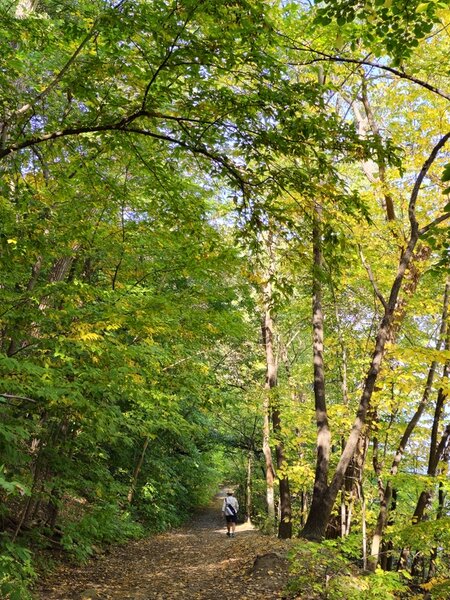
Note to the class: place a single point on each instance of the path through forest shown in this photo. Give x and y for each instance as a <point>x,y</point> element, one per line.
<point>196,562</point>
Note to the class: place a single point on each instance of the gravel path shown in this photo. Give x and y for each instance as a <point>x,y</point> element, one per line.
<point>196,562</point>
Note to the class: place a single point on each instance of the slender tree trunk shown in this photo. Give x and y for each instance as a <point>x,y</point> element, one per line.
<point>353,481</point>
<point>285,524</point>
<point>322,503</point>
<point>363,527</point>
<point>37,450</point>
<point>270,472</point>
<point>248,495</point>
<point>137,470</point>
<point>440,511</point>
<point>426,495</point>
<point>438,410</point>
<point>387,197</point>
<point>272,407</point>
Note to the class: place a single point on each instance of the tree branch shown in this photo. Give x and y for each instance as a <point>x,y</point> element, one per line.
<point>123,126</point>
<point>26,107</point>
<point>167,56</point>
<point>372,280</point>
<point>433,223</point>
<point>14,397</point>
<point>323,56</point>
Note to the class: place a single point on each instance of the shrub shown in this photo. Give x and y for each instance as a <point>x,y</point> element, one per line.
<point>16,571</point>
<point>319,571</point>
<point>103,524</point>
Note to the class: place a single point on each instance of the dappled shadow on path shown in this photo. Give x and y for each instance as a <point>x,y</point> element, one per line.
<point>196,562</point>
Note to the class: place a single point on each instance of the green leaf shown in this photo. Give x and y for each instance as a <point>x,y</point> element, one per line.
<point>422,7</point>
<point>446,173</point>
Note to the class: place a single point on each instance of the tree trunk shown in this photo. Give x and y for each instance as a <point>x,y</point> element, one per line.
<point>352,486</point>
<point>353,482</point>
<point>285,524</point>
<point>388,492</point>
<point>137,470</point>
<point>387,197</point>
<point>272,406</point>
<point>363,528</point>
<point>248,495</point>
<point>270,472</point>
<point>271,364</point>
<point>323,502</point>
<point>320,501</point>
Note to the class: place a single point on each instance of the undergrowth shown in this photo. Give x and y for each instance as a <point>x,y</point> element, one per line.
<point>322,572</point>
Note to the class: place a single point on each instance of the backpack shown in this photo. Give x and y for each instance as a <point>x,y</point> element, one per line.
<point>230,508</point>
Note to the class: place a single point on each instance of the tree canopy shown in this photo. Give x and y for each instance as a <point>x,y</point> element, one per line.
<point>224,257</point>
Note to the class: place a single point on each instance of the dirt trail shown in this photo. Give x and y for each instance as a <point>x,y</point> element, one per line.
<point>197,562</point>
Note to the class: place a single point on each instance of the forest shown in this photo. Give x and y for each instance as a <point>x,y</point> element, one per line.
<point>225,258</point>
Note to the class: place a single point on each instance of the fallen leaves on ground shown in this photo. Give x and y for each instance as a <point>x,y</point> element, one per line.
<point>197,562</point>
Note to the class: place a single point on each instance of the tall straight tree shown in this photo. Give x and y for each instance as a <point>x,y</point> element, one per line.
<point>272,404</point>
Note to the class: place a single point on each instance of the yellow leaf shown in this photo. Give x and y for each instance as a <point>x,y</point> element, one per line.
<point>90,337</point>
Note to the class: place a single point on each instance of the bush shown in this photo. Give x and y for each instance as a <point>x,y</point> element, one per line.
<point>381,584</point>
<point>312,567</point>
<point>104,524</point>
<point>16,572</point>
<point>319,571</point>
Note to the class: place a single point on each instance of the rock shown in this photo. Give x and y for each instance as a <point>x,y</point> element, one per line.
<point>267,564</point>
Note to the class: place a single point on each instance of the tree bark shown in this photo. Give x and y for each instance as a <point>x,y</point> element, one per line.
<point>270,471</point>
<point>320,505</point>
<point>285,524</point>
<point>25,7</point>
<point>248,495</point>
<point>268,334</point>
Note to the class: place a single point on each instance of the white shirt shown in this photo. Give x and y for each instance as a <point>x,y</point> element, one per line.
<point>231,500</point>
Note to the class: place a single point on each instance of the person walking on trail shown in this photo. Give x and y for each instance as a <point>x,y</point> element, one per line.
<point>230,510</point>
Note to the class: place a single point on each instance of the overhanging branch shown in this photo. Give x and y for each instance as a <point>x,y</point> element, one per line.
<point>123,126</point>
<point>324,57</point>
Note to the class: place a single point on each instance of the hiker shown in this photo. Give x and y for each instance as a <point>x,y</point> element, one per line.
<point>230,510</point>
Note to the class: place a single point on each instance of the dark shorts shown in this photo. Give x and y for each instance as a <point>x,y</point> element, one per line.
<point>231,518</point>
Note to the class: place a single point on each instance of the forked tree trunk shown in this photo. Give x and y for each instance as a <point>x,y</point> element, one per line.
<point>388,492</point>
<point>324,498</point>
